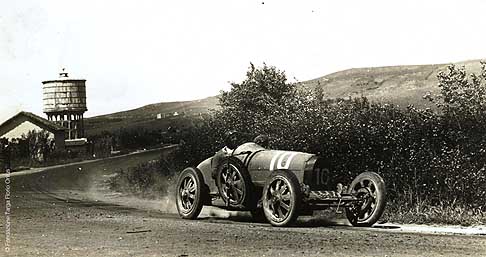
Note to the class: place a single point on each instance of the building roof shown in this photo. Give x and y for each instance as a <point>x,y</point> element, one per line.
<point>34,119</point>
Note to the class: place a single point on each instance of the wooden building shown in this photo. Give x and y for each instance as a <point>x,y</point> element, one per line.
<point>23,122</point>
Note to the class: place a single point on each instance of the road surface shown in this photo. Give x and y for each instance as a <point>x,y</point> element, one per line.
<point>70,211</point>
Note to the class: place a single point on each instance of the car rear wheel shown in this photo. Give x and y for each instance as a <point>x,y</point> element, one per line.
<point>234,183</point>
<point>282,198</point>
<point>190,193</point>
<point>370,190</point>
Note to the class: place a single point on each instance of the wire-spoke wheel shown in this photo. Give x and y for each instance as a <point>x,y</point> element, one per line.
<point>370,190</point>
<point>190,193</point>
<point>234,183</point>
<point>281,198</point>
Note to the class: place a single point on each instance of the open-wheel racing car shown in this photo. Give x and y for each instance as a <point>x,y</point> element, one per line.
<point>279,186</point>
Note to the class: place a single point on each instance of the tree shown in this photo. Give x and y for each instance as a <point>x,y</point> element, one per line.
<point>264,91</point>
<point>40,144</point>
<point>462,98</point>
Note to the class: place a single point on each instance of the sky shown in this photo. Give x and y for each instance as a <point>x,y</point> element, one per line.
<point>134,53</point>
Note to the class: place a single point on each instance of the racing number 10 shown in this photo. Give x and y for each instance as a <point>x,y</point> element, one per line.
<point>321,174</point>
<point>283,162</point>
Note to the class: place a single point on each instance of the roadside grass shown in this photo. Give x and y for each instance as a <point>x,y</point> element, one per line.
<point>426,212</point>
<point>149,180</point>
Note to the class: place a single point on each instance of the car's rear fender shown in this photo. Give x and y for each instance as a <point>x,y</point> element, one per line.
<point>206,169</point>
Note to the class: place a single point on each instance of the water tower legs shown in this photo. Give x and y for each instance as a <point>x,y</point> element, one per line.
<point>73,122</point>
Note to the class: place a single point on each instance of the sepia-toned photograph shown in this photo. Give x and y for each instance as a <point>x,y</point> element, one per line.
<point>242,128</point>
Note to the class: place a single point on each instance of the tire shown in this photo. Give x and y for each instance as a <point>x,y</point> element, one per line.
<point>282,198</point>
<point>234,184</point>
<point>191,193</point>
<point>370,189</point>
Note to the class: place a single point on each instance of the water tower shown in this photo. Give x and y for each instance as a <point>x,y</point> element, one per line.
<point>65,103</point>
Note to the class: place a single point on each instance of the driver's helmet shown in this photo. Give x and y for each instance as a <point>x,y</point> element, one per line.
<point>231,139</point>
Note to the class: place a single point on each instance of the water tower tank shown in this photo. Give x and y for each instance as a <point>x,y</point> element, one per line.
<point>64,102</point>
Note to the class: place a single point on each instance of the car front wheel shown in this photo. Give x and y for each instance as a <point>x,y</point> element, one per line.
<point>281,198</point>
<point>370,190</point>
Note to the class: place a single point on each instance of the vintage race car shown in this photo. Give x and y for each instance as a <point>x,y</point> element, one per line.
<point>279,186</point>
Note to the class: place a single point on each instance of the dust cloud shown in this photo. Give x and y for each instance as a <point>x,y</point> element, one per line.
<point>161,197</point>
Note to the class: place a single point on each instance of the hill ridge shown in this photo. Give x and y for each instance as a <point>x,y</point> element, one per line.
<point>398,84</point>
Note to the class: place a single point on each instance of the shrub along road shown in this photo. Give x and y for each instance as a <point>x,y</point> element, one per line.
<point>69,211</point>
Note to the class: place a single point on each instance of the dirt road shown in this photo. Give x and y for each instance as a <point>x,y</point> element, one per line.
<point>69,211</point>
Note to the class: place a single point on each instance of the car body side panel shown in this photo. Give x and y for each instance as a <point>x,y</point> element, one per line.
<point>263,163</point>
